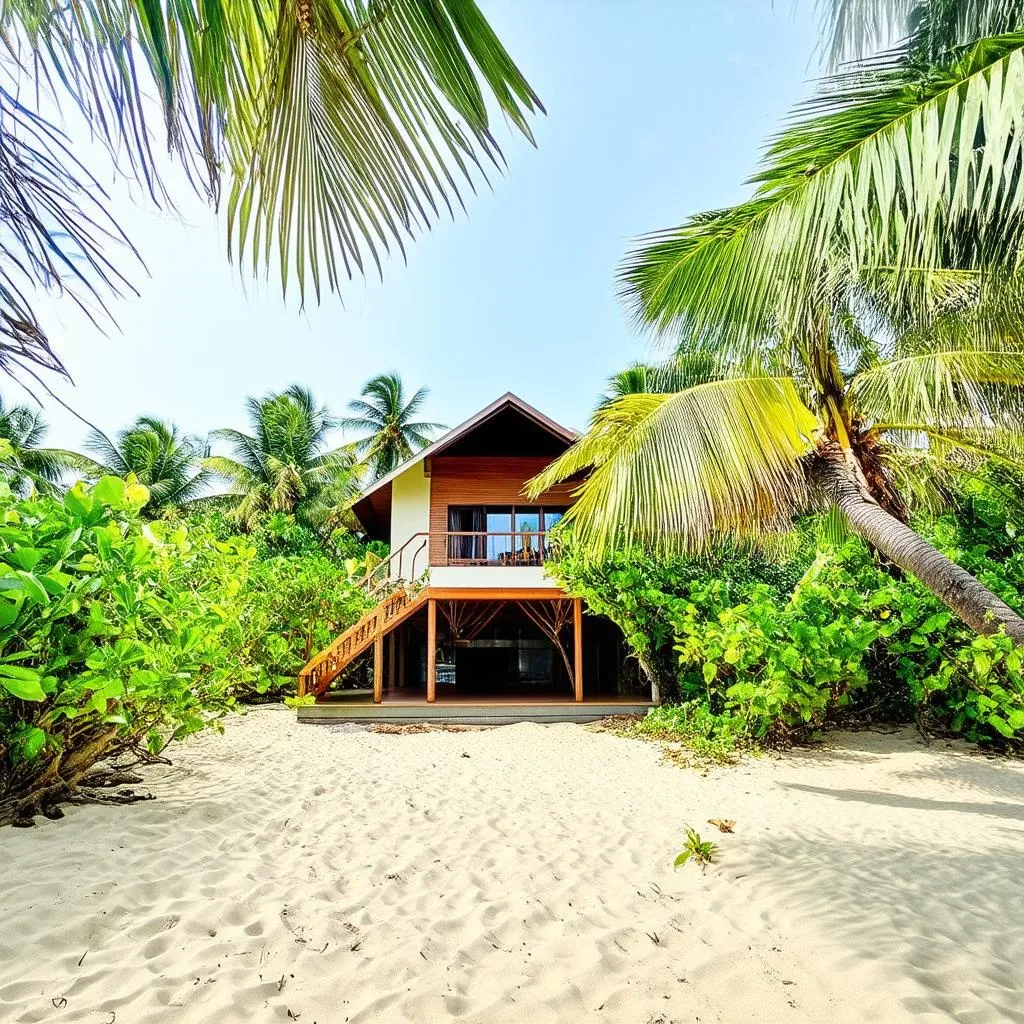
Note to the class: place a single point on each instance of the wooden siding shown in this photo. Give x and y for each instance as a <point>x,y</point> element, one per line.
<point>493,480</point>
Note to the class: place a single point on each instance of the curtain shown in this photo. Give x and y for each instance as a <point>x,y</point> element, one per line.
<point>463,520</point>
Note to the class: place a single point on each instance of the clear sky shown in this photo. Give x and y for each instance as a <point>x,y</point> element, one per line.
<point>656,109</point>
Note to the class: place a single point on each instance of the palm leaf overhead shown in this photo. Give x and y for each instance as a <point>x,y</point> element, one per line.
<point>677,470</point>
<point>342,127</point>
<point>869,174</point>
<point>853,28</point>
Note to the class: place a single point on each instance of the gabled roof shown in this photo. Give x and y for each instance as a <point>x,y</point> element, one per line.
<point>375,501</point>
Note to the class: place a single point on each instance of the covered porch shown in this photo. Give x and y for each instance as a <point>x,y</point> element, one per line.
<point>489,656</point>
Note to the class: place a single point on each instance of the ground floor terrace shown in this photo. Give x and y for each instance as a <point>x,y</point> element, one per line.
<point>488,656</point>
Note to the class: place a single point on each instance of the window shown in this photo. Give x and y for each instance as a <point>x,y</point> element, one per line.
<point>500,534</point>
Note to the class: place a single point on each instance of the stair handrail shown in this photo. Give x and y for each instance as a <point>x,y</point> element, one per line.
<point>368,584</point>
<point>334,658</point>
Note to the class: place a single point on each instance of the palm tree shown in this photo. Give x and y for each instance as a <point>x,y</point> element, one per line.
<point>892,201</point>
<point>29,465</point>
<point>656,378</point>
<point>284,464</point>
<point>342,130</point>
<point>837,419</point>
<point>392,435</point>
<point>158,455</point>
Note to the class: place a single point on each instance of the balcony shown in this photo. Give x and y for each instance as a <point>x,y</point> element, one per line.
<point>454,556</point>
<point>465,547</point>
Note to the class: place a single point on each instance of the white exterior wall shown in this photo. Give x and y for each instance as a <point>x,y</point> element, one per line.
<point>525,576</point>
<point>410,514</point>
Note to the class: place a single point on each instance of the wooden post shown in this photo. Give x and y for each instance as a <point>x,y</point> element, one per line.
<point>378,669</point>
<point>431,650</point>
<point>401,658</point>
<point>390,677</point>
<point>577,645</point>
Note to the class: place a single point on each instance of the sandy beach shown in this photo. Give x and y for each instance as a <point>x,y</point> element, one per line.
<point>522,874</point>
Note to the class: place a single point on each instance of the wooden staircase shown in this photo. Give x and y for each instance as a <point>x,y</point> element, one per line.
<point>325,667</point>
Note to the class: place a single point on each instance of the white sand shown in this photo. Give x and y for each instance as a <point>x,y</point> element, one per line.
<point>522,874</point>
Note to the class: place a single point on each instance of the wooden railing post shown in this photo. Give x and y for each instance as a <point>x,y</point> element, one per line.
<point>577,646</point>
<point>431,650</point>
<point>378,668</point>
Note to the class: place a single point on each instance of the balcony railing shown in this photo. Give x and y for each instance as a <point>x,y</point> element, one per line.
<point>458,547</point>
<point>523,547</point>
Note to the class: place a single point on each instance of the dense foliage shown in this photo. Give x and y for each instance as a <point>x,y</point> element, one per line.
<point>118,635</point>
<point>754,649</point>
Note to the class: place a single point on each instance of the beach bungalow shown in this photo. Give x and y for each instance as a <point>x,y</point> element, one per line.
<point>468,628</point>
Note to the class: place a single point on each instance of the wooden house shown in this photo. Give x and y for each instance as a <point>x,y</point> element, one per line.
<point>468,627</point>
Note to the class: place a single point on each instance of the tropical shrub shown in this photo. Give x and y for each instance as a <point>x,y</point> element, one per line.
<point>296,605</point>
<point>750,651</point>
<point>118,636</point>
<point>114,636</point>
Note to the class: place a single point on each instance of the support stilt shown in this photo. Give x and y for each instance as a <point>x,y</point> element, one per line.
<point>431,651</point>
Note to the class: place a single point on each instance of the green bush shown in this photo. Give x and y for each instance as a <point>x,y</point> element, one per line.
<point>114,635</point>
<point>755,651</point>
<point>295,606</point>
<point>118,635</point>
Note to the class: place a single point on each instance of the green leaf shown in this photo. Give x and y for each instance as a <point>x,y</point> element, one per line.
<point>77,501</point>
<point>33,587</point>
<point>31,743</point>
<point>109,490</point>
<point>1001,726</point>
<point>26,558</point>
<point>23,683</point>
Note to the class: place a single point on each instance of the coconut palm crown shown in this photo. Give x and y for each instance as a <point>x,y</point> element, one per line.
<point>284,464</point>
<point>158,454</point>
<point>28,462</point>
<point>386,418</point>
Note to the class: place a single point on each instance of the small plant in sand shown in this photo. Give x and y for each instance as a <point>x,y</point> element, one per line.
<point>700,850</point>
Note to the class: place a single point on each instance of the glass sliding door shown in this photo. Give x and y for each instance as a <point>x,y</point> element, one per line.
<point>527,536</point>
<point>499,535</point>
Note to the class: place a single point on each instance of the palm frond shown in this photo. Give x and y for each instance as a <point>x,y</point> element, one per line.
<point>959,388</point>
<point>58,235</point>
<point>852,29</point>
<point>675,471</point>
<point>238,475</point>
<point>883,168</point>
<point>344,129</point>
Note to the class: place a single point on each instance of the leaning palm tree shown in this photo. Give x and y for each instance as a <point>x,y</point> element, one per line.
<point>27,463</point>
<point>834,419</point>
<point>340,131</point>
<point>284,464</point>
<point>158,455</point>
<point>391,434</point>
<point>891,199</point>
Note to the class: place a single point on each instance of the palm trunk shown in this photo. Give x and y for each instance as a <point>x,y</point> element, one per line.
<point>838,476</point>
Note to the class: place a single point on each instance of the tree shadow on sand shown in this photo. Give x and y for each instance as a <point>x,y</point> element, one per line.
<point>1012,811</point>
<point>933,909</point>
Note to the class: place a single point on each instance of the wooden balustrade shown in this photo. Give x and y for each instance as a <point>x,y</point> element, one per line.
<point>323,669</point>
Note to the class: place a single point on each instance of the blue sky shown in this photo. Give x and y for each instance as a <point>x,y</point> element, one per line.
<point>655,110</point>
